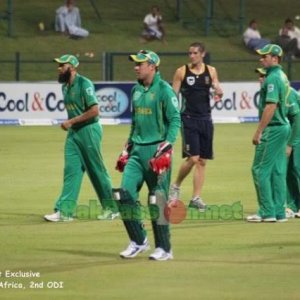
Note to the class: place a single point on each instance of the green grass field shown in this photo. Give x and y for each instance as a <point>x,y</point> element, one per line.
<point>214,259</point>
<point>119,30</point>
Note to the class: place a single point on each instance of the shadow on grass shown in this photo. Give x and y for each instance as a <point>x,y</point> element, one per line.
<point>111,259</point>
<point>9,218</point>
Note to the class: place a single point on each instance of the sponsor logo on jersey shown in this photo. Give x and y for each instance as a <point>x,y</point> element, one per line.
<point>175,101</point>
<point>152,96</point>
<point>136,95</point>
<point>190,80</point>
<point>143,111</point>
<point>270,88</point>
<point>90,91</point>
<point>206,80</point>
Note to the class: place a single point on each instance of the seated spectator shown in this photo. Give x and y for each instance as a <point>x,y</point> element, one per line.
<point>68,21</point>
<point>153,27</point>
<point>252,37</point>
<point>289,38</point>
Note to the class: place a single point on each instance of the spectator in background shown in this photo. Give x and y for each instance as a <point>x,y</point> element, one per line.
<point>68,21</point>
<point>289,39</point>
<point>252,37</point>
<point>153,27</point>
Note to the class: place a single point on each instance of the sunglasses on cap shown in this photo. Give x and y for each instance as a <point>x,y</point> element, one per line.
<point>147,54</point>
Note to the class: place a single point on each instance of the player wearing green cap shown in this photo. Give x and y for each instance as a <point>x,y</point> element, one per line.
<point>293,150</point>
<point>155,124</point>
<point>270,139</point>
<point>82,145</point>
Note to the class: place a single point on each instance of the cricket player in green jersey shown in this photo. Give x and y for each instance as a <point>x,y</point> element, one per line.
<point>82,145</point>
<point>155,125</point>
<point>270,139</point>
<point>293,152</point>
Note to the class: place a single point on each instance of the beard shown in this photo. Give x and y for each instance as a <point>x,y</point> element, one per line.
<point>64,77</point>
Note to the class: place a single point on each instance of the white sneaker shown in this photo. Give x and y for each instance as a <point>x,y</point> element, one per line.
<point>259,219</point>
<point>57,217</point>
<point>108,215</point>
<point>254,219</point>
<point>289,214</point>
<point>161,254</point>
<point>174,192</point>
<point>269,220</point>
<point>198,203</point>
<point>282,220</point>
<point>133,249</point>
<point>297,214</point>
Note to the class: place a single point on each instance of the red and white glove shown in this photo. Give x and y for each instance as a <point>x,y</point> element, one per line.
<point>123,158</point>
<point>162,158</point>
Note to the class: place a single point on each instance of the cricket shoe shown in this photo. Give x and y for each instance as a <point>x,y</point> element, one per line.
<point>254,219</point>
<point>57,217</point>
<point>174,192</point>
<point>161,254</point>
<point>297,214</point>
<point>134,249</point>
<point>259,219</point>
<point>107,214</point>
<point>289,214</point>
<point>282,220</point>
<point>198,203</point>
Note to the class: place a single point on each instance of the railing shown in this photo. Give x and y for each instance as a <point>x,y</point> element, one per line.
<point>110,56</point>
<point>106,66</point>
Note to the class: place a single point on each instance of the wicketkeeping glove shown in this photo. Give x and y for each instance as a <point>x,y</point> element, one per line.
<point>123,158</point>
<point>162,158</point>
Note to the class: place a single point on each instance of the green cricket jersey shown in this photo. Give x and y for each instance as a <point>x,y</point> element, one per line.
<point>79,97</point>
<point>155,114</point>
<point>294,116</point>
<point>275,90</point>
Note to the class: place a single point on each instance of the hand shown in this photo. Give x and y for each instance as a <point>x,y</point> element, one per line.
<point>288,150</point>
<point>162,158</point>
<point>66,125</point>
<point>217,97</point>
<point>123,158</point>
<point>256,138</point>
<point>218,93</point>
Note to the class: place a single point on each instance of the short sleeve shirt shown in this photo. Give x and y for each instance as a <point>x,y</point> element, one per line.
<point>275,90</point>
<point>79,97</point>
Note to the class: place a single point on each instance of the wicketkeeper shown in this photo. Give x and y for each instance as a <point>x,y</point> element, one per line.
<point>147,157</point>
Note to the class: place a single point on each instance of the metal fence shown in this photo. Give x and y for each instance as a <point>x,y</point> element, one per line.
<point>114,66</point>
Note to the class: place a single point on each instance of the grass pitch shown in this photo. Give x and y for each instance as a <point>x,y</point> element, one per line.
<point>214,259</point>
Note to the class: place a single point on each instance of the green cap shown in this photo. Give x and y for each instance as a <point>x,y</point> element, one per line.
<point>145,55</point>
<point>68,59</point>
<point>272,49</point>
<point>261,71</point>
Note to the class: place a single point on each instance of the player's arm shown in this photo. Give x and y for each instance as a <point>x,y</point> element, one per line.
<point>132,126</point>
<point>172,114</point>
<point>218,92</point>
<point>92,112</point>
<point>294,117</point>
<point>90,104</point>
<point>295,133</point>
<point>266,117</point>
<point>177,79</point>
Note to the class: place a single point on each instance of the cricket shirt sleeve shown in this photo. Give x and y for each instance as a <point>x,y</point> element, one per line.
<point>294,117</point>
<point>171,111</point>
<point>88,93</point>
<point>132,118</point>
<point>272,91</point>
